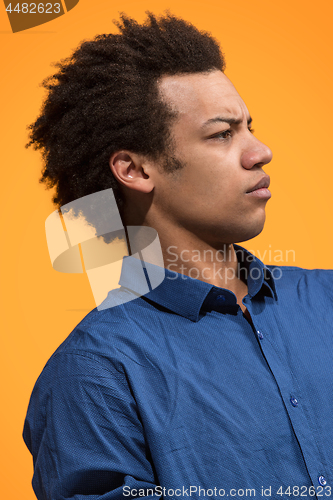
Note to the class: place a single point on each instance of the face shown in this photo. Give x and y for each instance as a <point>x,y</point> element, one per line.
<point>212,196</point>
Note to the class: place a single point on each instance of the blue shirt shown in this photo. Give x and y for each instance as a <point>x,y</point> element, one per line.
<point>177,394</point>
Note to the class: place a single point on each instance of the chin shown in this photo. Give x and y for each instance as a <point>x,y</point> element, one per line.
<point>251,231</point>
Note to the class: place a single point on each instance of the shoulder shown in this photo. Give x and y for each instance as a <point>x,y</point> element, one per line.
<point>106,342</point>
<point>292,273</point>
<point>99,334</point>
<point>297,280</point>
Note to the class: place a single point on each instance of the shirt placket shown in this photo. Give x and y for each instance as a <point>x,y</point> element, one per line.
<point>291,394</point>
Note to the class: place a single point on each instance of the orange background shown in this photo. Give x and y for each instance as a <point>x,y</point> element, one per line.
<point>279,58</point>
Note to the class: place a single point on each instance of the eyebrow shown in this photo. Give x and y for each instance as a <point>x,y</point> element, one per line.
<point>231,121</point>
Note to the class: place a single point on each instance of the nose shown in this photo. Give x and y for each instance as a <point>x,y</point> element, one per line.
<point>257,154</point>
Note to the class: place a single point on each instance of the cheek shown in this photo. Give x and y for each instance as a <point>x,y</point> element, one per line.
<point>219,187</point>
<point>207,178</point>
<point>209,172</point>
<point>208,198</point>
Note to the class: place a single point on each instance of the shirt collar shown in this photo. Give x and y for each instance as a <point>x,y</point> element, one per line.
<point>187,296</point>
<point>258,274</point>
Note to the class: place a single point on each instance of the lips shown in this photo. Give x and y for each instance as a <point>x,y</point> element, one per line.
<point>263,183</point>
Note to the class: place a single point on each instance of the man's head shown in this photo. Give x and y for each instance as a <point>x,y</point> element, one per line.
<point>150,113</point>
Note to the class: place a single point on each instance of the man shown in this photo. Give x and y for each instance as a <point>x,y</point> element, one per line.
<point>218,382</point>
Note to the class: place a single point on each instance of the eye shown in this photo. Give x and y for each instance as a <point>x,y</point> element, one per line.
<point>223,135</point>
<point>251,130</point>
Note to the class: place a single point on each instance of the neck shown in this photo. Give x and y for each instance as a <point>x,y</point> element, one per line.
<point>217,264</point>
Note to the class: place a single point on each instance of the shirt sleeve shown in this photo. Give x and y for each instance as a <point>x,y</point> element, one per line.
<point>84,432</point>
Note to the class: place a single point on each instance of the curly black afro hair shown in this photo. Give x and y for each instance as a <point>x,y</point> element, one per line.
<point>104,98</point>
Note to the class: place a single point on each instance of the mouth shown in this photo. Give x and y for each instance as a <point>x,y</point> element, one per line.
<point>260,190</point>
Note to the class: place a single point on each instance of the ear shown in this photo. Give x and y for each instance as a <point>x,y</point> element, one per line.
<point>130,170</point>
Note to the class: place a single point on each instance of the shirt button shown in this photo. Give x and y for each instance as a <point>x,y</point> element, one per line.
<point>260,335</point>
<point>294,401</point>
<point>322,480</point>
<point>221,298</point>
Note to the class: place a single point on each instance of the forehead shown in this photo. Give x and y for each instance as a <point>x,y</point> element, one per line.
<point>202,96</point>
